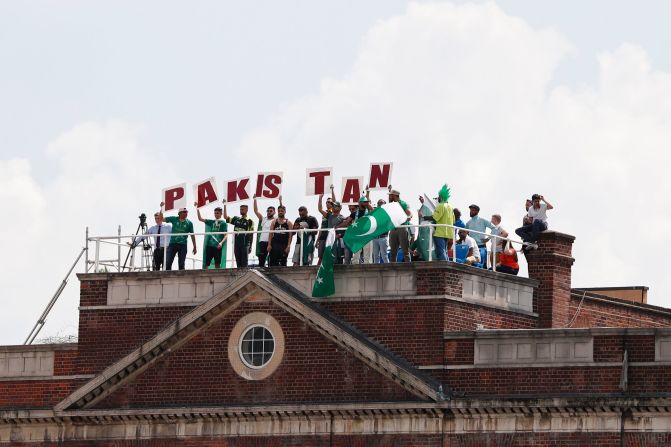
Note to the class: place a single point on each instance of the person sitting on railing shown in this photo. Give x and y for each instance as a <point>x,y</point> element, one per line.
<point>161,228</point>
<point>473,255</point>
<point>180,225</point>
<point>400,236</point>
<point>537,216</point>
<point>497,242</point>
<point>213,242</point>
<point>242,242</point>
<point>507,262</point>
<point>264,226</point>
<point>321,240</point>
<point>479,224</point>
<point>279,241</point>
<point>305,222</point>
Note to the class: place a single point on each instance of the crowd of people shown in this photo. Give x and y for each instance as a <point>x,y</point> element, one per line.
<point>441,235</point>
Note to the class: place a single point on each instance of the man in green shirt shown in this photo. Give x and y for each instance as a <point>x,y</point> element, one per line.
<point>213,242</point>
<point>399,236</point>
<point>181,226</point>
<point>242,242</point>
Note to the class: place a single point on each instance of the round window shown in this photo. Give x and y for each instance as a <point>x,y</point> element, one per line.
<point>257,346</point>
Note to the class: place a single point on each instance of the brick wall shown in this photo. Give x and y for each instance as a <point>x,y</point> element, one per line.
<point>35,393</point>
<point>461,316</point>
<point>313,370</point>
<point>605,313</point>
<point>550,264</point>
<point>410,328</point>
<point>65,362</point>
<point>438,281</point>
<point>93,292</point>
<point>459,351</point>
<point>107,335</point>
<point>640,348</point>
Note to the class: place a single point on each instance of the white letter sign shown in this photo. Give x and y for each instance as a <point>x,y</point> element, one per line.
<point>237,190</point>
<point>205,192</point>
<point>351,190</point>
<point>317,181</point>
<point>268,185</point>
<point>174,197</point>
<point>380,175</point>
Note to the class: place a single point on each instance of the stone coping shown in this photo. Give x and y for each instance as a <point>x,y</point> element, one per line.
<point>40,347</point>
<point>525,333</point>
<point>401,267</point>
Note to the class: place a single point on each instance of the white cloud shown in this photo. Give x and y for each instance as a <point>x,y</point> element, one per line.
<point>463,94</point>
<point>103,176</point>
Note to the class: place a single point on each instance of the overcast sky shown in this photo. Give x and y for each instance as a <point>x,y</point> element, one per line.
<point>102,104</point>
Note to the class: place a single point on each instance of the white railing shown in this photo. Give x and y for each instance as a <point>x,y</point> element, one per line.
<point>99,263</point>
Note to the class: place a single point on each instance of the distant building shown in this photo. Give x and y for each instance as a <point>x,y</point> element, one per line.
<point>421,354</point>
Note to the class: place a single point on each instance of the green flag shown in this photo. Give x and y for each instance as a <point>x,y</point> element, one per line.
<point>379,221</point>
<point>324,284</point>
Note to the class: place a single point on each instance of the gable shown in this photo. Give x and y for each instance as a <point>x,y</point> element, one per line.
<point>311,369</point>
<point>257,287</point>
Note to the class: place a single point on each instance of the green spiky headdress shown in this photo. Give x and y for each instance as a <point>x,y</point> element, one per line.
<point>444,194</point>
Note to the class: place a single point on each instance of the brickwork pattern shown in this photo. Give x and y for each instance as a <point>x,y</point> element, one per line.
<point>604,314</point>
<point>65,363</point>
<point>93,292</point>
<point>459,351</point>
<point>408,328</point>
<point>640,348</point>
<point>107,335</point>
<point>433,281</point>
<point>313,370</point>
<point>35,393</point>
<point>465,317</point>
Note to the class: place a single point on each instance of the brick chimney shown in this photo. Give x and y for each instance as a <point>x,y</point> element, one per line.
<point>550,264</point>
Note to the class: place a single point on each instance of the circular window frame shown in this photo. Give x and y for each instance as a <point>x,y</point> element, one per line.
<point>241,339</point>
<point>240,366</point>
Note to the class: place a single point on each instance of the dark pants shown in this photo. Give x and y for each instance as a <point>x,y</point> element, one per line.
<point>399,237</point>
<point>241,252</point>
<point>263,253</point>
<point>506,269</point>
<point>212,252</point>
<point>180,251</point>
<point>158,258</point>
<point>277,257</point>
<point>529,233</point>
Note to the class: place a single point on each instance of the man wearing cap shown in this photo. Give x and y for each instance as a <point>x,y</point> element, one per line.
<point>399,236</point>
<point>305,222</point>
<point>181,226</point>
<point>213,242</point>
<point>357,213</point>
<point>333,219</point>
<point>477,223</point>
<point>242,242</point>
<point>161,229</point>
<point>380,244</point>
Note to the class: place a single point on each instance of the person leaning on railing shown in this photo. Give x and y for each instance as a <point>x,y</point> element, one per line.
<point>507,261</point>
<point>180,226</point>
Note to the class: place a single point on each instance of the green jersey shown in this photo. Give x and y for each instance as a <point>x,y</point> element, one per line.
<point>179,227</point>
<point>214,226</point>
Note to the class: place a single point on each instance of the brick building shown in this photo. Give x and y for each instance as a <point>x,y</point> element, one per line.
<point>424,354</point>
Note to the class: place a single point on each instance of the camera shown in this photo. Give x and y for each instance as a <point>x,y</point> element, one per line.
<point>143,220</point>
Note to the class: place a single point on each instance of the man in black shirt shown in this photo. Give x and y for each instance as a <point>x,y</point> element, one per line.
<point>279,243</point>
<point>305,222</point>
<point>242,242</point>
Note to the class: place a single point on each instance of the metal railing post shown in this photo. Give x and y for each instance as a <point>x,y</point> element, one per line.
<point>430,242</point>
<point>118,265</point>
<point>86,247</point>
<point>300,260</point>
<point>97,258</point>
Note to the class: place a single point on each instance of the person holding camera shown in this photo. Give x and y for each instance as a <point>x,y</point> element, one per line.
<point>180,226</point>
<point>537,221</point>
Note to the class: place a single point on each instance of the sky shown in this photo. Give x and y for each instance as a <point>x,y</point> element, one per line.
<point>102,104</point>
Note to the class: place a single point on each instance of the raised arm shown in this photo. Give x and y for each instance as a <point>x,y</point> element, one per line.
<point>225,213</point>
<point>200,218</point>
<point>547,203</point>
<point>280,201</point>
<point>333,194</point>
<point>320,206</point>
<point>256,209</point>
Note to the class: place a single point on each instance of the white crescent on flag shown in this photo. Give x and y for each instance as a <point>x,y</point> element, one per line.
<point>373,226</point>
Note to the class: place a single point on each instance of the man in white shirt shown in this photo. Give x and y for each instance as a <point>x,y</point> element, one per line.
<point>161,228</point>
<point>537,214</point>
<point>473,255</point>
<point>264,225</point>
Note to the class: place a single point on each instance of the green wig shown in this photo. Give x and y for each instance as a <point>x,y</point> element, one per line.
<point>444,194</point>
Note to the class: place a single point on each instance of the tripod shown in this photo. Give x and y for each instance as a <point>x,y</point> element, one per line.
<point>147,250</point>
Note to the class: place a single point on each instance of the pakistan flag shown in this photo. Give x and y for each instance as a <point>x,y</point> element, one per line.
<point>324,285</point>
<point>379,221</point>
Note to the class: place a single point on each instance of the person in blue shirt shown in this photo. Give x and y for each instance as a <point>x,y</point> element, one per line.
<point>457,219</point>
<point>477,223</point>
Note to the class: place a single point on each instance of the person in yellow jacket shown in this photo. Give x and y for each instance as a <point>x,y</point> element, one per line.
<point>443,237</point>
